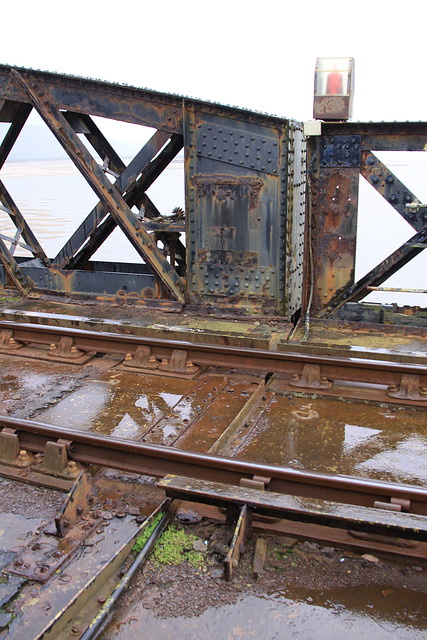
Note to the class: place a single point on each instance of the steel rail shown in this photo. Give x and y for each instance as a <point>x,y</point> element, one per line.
<point>362,370</point>
<point>159,461</point>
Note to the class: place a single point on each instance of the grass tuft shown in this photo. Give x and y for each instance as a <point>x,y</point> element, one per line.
<point>176,547</point>
<point>146,533</point>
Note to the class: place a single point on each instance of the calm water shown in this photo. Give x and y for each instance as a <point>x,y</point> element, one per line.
<point>55,199</point>
<point>327,615</point>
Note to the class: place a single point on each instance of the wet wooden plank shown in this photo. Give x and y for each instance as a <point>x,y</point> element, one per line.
<point>298,508</point>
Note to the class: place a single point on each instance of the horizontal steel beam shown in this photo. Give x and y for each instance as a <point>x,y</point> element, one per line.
<point>89,283</point>
<point>118,101</point>
<point>81,95</point>
<point>158,461</point>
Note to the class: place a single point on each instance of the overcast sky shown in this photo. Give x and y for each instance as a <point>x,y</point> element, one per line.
<point>258,55</point>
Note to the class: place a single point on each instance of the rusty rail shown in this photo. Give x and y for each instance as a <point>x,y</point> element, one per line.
<point>361,370</point>
<point>159,461</point>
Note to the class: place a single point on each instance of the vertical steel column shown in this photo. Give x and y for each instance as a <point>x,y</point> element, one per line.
<point>334,165</point>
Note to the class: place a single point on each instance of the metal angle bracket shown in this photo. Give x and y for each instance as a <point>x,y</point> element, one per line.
<point>142,359</point>
<point>340,151</point>
<point>11,453</point>
<point>8,342</point>
<point>79,502</point>
<point>55,460</point>
<point>56,353</point>
<point>409,389</point>
<point>242,530</point>
<point>9,446</point>
<point>177,364</point>
<point>66,351</point>
<point>310,378</point>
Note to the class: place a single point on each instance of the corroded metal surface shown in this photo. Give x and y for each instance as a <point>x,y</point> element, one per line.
<point>333,368</point>
<point>305,443</point>
<point>245,188</point>
<point>336,159</point>
<point>307,510</point>
<point>155,460</point>
<point>262,234</point>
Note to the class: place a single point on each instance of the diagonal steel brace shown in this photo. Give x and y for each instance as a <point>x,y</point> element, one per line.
<point>106,192</point>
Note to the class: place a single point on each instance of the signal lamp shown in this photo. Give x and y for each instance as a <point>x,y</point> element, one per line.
<point>333,88</point>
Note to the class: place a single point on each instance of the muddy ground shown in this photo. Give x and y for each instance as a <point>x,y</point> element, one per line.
<point>294,566</point>
<point>187,591</point>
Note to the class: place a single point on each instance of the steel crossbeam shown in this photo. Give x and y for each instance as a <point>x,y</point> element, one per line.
<point>110,196</point>
<point>54,98</point>
<point>379,274</point>
<point>392,189</point>
<point>19,117</point>
<point>100,231</point>
<point>83,123</point>
<point>125,181</point>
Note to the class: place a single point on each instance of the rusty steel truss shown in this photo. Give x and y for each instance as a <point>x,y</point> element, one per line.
<point>244,183</point>
<point>336,158</point>
<point>263,230</point>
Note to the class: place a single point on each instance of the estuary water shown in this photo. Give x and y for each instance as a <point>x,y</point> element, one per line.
<point>55,199</point>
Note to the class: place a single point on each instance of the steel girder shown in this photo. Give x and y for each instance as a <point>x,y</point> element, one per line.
<point>336,159</point>
<point>245,191</point>
<point>244,194</point>
<point>66,106</point>
<point>108,195</point>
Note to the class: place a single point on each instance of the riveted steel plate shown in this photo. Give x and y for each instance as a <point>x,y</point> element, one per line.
<point>340,151</point>
<point>234,280</point>
<point>239,145</point>
<point>47,553</point>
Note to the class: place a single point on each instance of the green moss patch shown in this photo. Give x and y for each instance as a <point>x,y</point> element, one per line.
<point>176,547</point>
<point>146,533</point>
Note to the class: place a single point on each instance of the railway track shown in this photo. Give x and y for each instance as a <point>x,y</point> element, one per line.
<point>404,381</point>
<point>159,461</point>
<point>334,508</point>
<point>399,382</point>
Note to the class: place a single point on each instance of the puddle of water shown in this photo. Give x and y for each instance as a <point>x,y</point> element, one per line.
<point>355,436</point>
<point>217,417</point>
<point>156,408</point>
<point>29,381</point>
<point>341,437</point>
<point>359,612</point>
<point>408,459</point>
<point>122,405</point>
<point>15,534</point>
<point>21,376</point>
<point>188,411</point>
